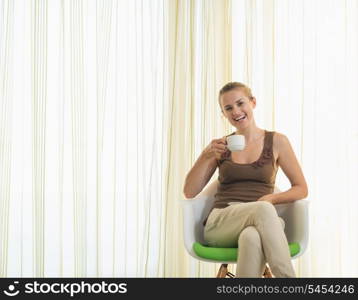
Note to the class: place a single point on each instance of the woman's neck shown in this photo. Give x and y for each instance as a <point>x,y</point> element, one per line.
<point>251,133</point>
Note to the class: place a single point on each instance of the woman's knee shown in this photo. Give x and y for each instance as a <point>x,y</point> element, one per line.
<point>264,209</point>
<point>250,237</point>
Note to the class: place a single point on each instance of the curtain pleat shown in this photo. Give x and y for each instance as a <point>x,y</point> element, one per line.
<point>39,101</point>
<point>6,60</point>
<point>199,64</point>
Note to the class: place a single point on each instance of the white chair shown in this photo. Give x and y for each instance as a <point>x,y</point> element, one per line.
<point>195,210</point>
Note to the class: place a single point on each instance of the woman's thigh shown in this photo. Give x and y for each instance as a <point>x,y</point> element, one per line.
<point>224,225</point>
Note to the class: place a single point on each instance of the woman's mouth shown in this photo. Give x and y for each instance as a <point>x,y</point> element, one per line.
<point>240,119</point>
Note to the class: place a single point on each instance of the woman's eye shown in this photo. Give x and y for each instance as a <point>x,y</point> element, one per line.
<point>228,108</point>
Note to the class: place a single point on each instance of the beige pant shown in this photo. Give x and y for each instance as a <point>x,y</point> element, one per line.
<point>257,229</point>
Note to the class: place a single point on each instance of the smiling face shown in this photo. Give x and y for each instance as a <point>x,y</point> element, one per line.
<point>238,107</point>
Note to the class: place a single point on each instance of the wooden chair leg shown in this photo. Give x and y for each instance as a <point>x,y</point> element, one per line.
<point>229,274</point>
<point>222,271</point>
<point>267,272</point>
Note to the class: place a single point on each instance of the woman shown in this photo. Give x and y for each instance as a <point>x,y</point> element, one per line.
<point>243,212</point>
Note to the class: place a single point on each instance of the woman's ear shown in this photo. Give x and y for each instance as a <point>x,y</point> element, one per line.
<point>253,101</point>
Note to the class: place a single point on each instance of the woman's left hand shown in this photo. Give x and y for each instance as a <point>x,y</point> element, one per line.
<point>267,198</point>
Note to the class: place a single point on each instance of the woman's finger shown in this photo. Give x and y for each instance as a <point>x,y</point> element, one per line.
<point>222,140</point>
<point>220,146</point>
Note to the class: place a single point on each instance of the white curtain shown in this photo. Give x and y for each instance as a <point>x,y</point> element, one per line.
<point>301,60</point>
<point>99,105</point>
<point>81,153</point>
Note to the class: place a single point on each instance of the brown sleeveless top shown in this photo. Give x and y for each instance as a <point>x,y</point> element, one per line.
<point>246,182</point>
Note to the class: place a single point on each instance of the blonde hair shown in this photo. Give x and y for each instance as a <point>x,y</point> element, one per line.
<point>235,85</point>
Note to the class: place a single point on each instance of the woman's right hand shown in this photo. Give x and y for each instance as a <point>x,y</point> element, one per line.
<point>204,167</point>
<point>216,148</point>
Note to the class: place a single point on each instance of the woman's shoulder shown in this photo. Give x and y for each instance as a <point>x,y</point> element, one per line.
<point>280,142</point>
<point>279,137</point>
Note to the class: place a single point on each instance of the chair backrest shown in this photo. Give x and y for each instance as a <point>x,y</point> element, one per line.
<point>195,211</point>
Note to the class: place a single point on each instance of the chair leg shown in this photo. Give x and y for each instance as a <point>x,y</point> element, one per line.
<point>222,271</point>
<point>267,272</point>
<point>229,274</point>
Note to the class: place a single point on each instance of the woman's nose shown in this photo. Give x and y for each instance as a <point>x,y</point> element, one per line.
<point>236,110</point>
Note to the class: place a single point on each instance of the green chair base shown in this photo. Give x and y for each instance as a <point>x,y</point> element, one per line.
<point>229,254</point>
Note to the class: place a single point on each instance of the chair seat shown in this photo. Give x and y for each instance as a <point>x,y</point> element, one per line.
<point>229,254</point>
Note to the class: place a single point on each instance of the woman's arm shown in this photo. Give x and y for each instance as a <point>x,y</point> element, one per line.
<point>204,168</point>
<point>290,166</point>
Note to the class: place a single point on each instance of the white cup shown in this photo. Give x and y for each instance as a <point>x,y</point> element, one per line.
<point>236,142</point>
